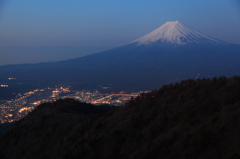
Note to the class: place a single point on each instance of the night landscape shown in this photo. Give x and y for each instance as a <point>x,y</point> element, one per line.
<point>120,79</point>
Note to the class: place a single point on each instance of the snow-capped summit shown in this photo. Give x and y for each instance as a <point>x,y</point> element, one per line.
<point>175,32</point>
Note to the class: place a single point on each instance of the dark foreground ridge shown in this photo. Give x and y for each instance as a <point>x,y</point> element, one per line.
<point>191,119</point>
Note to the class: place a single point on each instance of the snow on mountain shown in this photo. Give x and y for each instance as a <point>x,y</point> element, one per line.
<point>175,32</point>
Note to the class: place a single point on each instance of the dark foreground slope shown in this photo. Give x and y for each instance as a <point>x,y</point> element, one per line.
<point>191,119</point>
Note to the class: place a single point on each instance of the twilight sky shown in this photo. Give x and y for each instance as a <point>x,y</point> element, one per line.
<point>33,31</point>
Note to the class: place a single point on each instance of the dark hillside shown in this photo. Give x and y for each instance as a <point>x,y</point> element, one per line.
<point>4,126</point>
<point>42,130</point>
<point>192,119</point>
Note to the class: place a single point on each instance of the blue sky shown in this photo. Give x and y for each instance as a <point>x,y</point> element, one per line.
<point>35,30</point>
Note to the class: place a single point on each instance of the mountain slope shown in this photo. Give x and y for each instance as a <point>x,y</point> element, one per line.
<point>46,126</point>
<point>192,119</point>
<point>179,54</point>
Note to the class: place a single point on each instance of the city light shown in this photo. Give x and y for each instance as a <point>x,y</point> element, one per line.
<point>11,78</point>
<point>4,85</point>
<point>15,109</point>
<point>23,109</point>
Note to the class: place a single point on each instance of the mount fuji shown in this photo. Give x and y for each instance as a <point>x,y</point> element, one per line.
<point>177,33</point>
<point>169,54</point>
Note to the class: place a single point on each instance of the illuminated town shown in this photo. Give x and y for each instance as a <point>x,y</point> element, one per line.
<point>15,109</point>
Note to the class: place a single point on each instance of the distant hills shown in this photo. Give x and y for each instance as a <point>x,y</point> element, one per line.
<point>191,119</point>
<point>171,53</point>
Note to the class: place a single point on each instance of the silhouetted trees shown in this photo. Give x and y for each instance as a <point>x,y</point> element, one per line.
<point>191,119</point>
